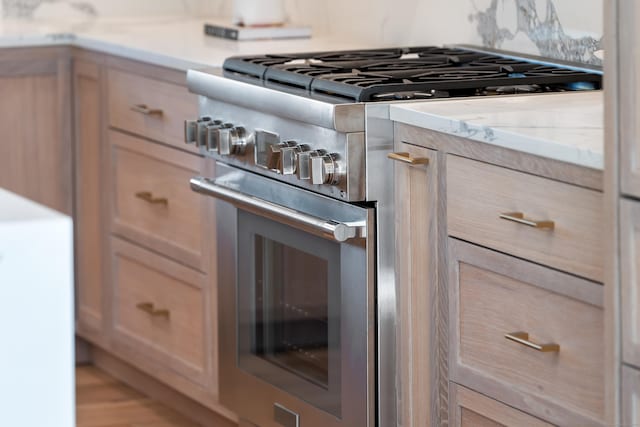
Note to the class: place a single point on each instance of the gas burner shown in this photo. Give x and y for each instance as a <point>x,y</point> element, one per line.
<point>407,73</point>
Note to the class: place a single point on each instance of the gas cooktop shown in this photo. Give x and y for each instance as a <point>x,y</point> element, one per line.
<point>406,73</point>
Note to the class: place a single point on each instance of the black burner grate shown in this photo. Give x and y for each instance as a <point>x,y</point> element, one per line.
<point>408,73</point>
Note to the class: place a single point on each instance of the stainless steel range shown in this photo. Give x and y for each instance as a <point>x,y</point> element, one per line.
<point>305,218</point>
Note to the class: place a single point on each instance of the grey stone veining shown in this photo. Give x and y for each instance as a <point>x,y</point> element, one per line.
<point>545,32</point>
<point>26,8</point>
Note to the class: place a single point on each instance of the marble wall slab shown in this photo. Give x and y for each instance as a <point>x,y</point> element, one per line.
<point>563,29</point>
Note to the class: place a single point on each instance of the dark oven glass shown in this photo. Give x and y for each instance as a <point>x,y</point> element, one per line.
<point>289,309</point>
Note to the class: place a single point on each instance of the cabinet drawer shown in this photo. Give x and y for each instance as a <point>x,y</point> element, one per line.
<point>630,280</point>
<point>152,201</point>
<point>471,409</point>
<point>493,295</point>
<point>150,108</point>
<point>630,396</point>
<point>159,309</point>
<point>479,193</point>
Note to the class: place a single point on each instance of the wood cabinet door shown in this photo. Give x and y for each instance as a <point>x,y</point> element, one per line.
<point>629,102</point>
<point>88,202</point>
<point>471,409</point>
<point>630,396</point>
<point>35,125</point>
<point>630,280</point>
<point>417,222</point>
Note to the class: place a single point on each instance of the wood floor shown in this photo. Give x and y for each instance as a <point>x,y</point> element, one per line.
<point>102,401</point>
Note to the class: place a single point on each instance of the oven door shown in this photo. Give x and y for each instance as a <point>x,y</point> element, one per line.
<point>296,287</point>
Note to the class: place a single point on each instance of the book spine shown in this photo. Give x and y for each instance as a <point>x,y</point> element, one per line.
<point>223,32</point>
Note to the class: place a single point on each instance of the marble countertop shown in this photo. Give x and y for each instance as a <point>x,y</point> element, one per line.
<point>175,42</point>
<point>568,127</point>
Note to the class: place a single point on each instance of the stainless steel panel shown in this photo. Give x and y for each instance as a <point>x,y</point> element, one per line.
<point>380,184</point>
<point>253,398</point>
<point>266,129</point>
<point>341,117</point>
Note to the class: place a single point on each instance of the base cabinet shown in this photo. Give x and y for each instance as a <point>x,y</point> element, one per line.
<point>471,409</point>
<point>35,124</point>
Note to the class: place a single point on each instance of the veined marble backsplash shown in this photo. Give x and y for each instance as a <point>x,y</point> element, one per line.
<point>562,29</point>
<point>78,9</point>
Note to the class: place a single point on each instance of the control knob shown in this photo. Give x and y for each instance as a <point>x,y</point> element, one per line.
<point>288,156</point>
<point>274,154</point>
<point>325,169</point>
<point>194,130</point>
<point>303,163</point>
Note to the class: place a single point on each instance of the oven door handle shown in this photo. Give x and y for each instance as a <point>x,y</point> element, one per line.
<point>339,231</point>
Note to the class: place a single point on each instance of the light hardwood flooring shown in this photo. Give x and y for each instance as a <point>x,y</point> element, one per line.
<point>103,401</point>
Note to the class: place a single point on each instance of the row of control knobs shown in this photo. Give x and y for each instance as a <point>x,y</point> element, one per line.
<point>216,135</point>
<point>286,158</point>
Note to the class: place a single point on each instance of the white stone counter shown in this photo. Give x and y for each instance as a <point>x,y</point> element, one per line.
<point>175,42</point>
<point>566,126</point>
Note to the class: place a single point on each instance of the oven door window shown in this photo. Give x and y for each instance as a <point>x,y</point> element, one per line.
<point>289,310</point>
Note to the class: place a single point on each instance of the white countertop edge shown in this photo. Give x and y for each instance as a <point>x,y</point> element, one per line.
<point>498,137</point>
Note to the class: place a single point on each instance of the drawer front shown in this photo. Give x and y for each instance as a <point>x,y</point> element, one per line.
<point>151,108</point>
<point>159,309</point>
<point>152,201</point>
<point>630,397</point>
<point>630,279</point>
<point>471,409</point>
<point>493,295</point>
<point>479,193</point>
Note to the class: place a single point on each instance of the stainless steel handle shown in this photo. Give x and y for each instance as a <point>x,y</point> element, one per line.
<point>336,230</point>
<point>520,219</point>
<point>144,109</point>
<point>523,338</point>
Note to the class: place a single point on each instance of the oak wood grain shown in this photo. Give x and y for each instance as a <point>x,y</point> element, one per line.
<point>175,228</point>
<point>471,409</point>
<point>176,104</point>
<point>492,295</point>
<point>36,145</point>
<point>416,190</point>
<point>478,193</point>
<point>176,340</point>
<point>89,210</point>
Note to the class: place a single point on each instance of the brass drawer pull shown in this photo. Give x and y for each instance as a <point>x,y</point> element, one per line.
<point>523,338</point>
<point>148,308</point>
<point>144,109</point>
<point>407,158</point>
<point>147,196</point>
<point>520,219</point>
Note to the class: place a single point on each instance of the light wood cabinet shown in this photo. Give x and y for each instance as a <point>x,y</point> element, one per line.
<point>471,409</point>
<point>526,335</point>
<point>89,208</point>
<point>546,221</point>
<point>628,72</point>
<point>630,396</point>
<point>161,311</point>
<point>152,203</point>
<point>417,200</point>
<point>630,280</point>
<point>35,124</point>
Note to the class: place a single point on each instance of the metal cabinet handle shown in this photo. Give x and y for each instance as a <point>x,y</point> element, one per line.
<point>149,308</point>
<point>407,158</point>
<point>339,231</point>
<point>520,219</point>
<point>147,196</point>
<point>523,338</point>
<point>144,109</point>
